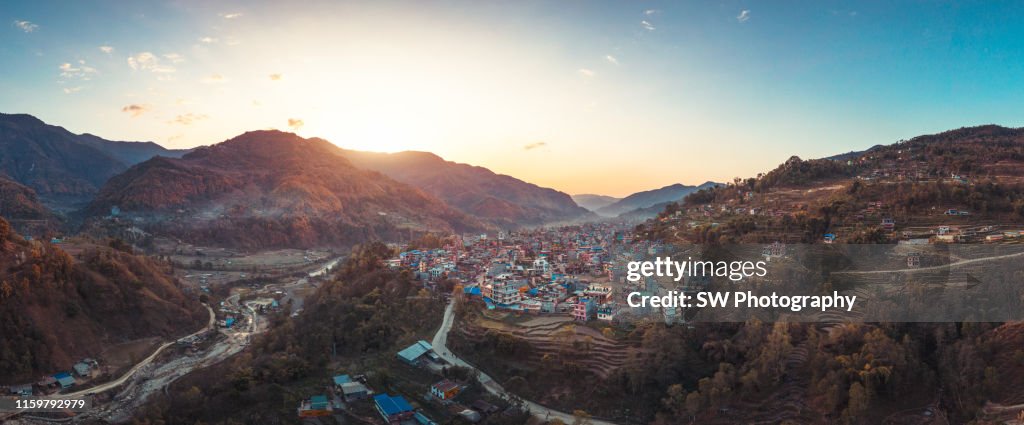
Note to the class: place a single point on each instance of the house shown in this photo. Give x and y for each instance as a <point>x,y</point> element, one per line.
<point>423,419</point>
<point>316,406</point>
<point>829,238</point>
<point>606,312</point>
<point>353,391</point>
<point>888,223</point>
<point>341,380</point>
<point>584,309</point>
<point>394,409</point>
<point>445,390</point>
<point>65,380</point>
<point>82,369</point>
<point>415,353</point>
<point>24,390</point>
<point>471,415</point>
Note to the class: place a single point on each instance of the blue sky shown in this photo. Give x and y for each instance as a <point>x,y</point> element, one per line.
<point>600,97</point>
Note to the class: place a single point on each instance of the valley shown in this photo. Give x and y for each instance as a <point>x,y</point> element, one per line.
<point>300,262</point>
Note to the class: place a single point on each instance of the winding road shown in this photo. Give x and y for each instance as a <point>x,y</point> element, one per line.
<point>440,346</point>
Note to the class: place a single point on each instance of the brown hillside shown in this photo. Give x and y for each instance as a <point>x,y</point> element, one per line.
<point>56,309</point>
<point>269,188</point>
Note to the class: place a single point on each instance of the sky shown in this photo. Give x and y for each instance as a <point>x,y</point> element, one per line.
<point>582,96</point>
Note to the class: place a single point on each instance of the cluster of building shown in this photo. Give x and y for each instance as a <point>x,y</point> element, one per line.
<point>84,370</point>
<point>572,270</point>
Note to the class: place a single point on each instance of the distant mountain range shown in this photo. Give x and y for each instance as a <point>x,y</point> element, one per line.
<point>594,202</point>
<point>498,199</point>
<point>650,198</point>
<point>55,162</point>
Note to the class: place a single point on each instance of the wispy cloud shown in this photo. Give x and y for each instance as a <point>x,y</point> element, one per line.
<point>586,72</point>
<point>147,61</point>
<point>69,90</point>
<point>744,16</point>
<point>135,109</point>
<point>651,12</point>
<point>295,124</point>
<point>534,145</point>
<point>207,40</point>
<point>78,71</point>
<point>26,26</point>
<point>647,25</point>
<point>187,119</point>
<point>214,79</point>
<point>174,57</point>
<point>612,59</point>
<point>276,77</point>
<point>230,15</point>
<point>107,49</point>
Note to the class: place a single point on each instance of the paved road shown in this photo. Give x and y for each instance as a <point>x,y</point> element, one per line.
<point>131,372</point>
<point>127,375</point>
<point>440,345</point>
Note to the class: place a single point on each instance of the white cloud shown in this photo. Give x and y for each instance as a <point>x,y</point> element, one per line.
<point>208,40</point>
<point>650,12</point>
<point>612,59</point>
<point>79,71</point>
<point>586,72</point>
<point>107,49</point>
<point>147,61</point>
<point>744,16</point>
<point>26,26</point>
<point>69,90</point>
<point>230,15</point>
<point>188,119</point>
<point>647,25</point>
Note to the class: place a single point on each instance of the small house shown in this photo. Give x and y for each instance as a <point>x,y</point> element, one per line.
<point>417,352</point>
<point>24,390</point>
<point>317,405</point>
<point>65,380</point>
<point>82,369</point>
<point>445,390</point>
<point>353,391</point>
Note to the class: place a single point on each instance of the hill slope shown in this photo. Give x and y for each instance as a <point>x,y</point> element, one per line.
<point>503,200</point>
<point>650,198</point>
<point>19,202</point>
<point>269,188</point>
<point>55,309</point>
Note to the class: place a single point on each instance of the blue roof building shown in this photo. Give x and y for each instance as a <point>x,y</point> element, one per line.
<point>393,409</point>
<point>65,380</point>
<point>318,402</point>
<point>414,352</point>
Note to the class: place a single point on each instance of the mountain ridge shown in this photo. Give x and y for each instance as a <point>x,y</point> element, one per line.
<point>297,191</point>
<point>501,199</point>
